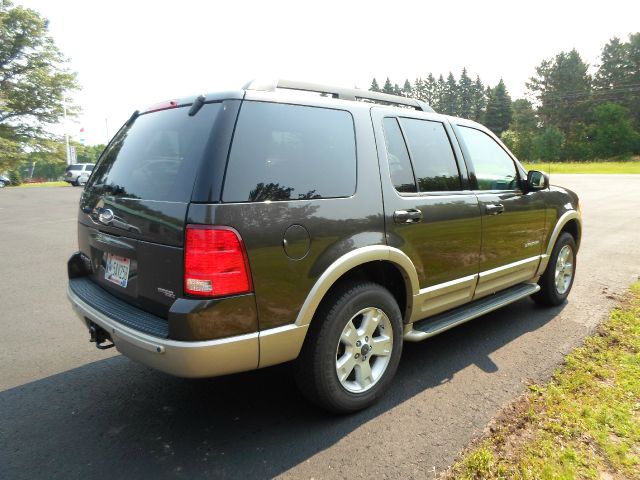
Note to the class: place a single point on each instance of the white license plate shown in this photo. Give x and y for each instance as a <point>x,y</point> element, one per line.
<point>117,270</point>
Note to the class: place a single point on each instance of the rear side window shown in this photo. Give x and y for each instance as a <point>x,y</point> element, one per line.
<point>433,160</point>
<point>89,168</point>
<point>290,152</point>
<point>156,158</point>
<point>399,162</point>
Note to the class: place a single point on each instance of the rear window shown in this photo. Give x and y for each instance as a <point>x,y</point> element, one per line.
<point>74,167</point>
<point>89,168</point>
<point>290,152</point>
<point>156,158</point>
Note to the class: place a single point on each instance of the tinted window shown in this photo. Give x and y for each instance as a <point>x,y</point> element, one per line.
<point>74,167</point>
<point>286,152</point>
<point>431,154</point>
<point>494,168</point>
<point>89,168</point>
<point>156,158</point>
<point>399,162</point>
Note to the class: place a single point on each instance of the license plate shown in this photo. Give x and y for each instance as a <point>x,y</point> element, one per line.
<point>117,270</point>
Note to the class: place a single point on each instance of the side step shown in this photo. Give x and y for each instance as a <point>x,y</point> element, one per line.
<point>431,326</point>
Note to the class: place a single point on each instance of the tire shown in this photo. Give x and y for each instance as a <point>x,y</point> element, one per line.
<point>553,291</point>
<point>365,307</point>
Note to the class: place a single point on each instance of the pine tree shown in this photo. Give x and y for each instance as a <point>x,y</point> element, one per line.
<point>498,115</point>
<point>465,95</point>
<point>450,96</point>
<point>374,86</point>
<point>407,90</point>
<point>430,91</point>
<point>388,87</point>
<point>478,100</point>
<point>562,87</point>
<point>439,93</point>
<point>397,90</point>
<point>418,89</point>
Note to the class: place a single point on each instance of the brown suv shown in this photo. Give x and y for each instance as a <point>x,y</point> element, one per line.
<point>243,229</point>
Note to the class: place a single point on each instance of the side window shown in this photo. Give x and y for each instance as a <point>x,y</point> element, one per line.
<point>432,156</point>
<point>399,163</point>
<point>290,152</point>
<point>89,168</point>
<point>494,168</point>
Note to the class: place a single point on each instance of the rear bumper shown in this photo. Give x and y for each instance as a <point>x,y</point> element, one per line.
<point>184,359</point>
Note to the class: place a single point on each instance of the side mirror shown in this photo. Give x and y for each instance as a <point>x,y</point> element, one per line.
<point>537,180</point>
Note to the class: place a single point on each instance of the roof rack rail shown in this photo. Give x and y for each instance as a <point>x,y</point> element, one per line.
<point>338,92</point>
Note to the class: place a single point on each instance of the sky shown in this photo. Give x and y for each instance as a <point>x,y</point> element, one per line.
<point>135,53</point>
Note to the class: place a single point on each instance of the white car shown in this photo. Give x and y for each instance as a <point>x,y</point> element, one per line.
<point>73,172</point>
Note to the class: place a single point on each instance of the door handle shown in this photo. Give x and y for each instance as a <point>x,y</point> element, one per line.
<point>411,215</point>
<point>494,208</point>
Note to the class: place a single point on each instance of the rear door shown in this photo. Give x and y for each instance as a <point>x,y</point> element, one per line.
<point>430,213</point>
<point>513,221</point>
<point>133,210</point>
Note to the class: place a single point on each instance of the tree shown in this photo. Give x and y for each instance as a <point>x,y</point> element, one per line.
<point>562,88</point>
<point>388,87</point>
<point>374,86</point>
<point>429,90</point>
<point>450,96</point>
<point>498,115</point>
<point>465,95</point>
<point>522,129</point>
<point>438,95</point>
<point>33,81</point>
<point>478,100</point>
<point>612,132</point>
<point>407,90</point>
<point>418,89</point>
<point>548,145</point>
<point>397,90</point>
<point>618,77</point>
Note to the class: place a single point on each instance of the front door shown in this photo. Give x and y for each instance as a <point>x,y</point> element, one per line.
<point>430,213</point>
<point>513,221</point>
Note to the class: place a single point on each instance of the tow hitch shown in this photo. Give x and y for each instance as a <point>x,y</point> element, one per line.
<point>99,336</point>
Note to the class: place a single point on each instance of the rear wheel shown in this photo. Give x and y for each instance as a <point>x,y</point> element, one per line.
<point>557,279</point>
<point>352,350</point>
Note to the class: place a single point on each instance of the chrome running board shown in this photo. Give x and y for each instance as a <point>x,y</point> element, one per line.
<point>442,322</point>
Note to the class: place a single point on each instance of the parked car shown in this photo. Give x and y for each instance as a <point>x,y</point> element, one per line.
<point>4,181</point>
<point>83,177</point>
<point>238,230</point>
<point>73,171</point>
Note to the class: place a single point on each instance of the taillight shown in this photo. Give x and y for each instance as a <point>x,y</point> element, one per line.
<point>215,262</point>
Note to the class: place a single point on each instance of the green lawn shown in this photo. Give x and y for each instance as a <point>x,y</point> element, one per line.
<point>585,423</point>
<point>632,166</point>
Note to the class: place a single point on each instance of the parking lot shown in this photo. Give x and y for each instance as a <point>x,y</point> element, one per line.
<point>68,410</point>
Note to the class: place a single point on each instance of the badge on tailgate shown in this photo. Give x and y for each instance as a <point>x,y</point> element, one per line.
<point>117,270</point>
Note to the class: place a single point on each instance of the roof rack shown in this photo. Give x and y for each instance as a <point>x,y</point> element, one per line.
<point>353,94</point>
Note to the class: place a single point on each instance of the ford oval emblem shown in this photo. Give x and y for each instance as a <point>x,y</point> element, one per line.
<point>105,215</point>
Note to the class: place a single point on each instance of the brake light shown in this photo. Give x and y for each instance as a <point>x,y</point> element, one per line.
<point>162,106</point>
<point>215,262</point>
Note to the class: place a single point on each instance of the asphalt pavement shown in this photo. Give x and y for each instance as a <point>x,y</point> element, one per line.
<point>68,410</point>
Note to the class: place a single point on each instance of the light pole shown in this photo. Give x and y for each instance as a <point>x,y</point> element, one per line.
<point>66,133</point>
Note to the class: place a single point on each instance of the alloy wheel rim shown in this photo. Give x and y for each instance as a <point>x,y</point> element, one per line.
<point>364,350</point>
<point>564,269</point>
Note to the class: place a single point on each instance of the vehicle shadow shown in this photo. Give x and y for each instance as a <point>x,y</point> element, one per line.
<point>116,419</point>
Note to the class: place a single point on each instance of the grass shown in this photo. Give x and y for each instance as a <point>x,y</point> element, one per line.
<point>44,184</point>
<point>585,423</point>
<point>631,166</point>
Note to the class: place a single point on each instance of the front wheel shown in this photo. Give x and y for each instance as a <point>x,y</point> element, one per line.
<point>352,350</point>
<point>557,280</point>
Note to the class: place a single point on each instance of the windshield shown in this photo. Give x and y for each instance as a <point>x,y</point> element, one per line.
<point>156,158</point>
